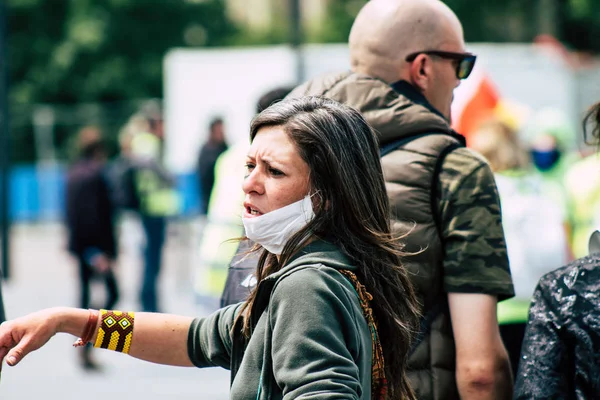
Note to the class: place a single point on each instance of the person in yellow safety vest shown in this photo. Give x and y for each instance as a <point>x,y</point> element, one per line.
<point>225,262</point>
<point>582,183</point>
<point>223,223</point>
<point>157,200</point>
<point>155,186</point>
<point>534,225</point>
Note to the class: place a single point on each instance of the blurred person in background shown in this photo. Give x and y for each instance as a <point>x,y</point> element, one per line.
<point>90,223</point>
<point>407,57</point>
<point>207,158</point>
<point>121,171</point>
<point>154,196</point>
<point>582,183</point>
<point>535,225</point>
<point>334,313</point>
<point>240,260</point>
<point>560,357</point>
<point>551,142</point>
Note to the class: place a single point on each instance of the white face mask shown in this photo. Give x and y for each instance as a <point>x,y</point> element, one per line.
<point>273,229</point>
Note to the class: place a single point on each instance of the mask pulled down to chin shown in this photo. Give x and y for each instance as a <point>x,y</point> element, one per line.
<point>273,229</point>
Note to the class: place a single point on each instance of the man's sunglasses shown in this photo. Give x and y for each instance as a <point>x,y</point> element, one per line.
<point>466,61</point>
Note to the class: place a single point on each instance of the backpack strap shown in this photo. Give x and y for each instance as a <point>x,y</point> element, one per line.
<point>436,309</point>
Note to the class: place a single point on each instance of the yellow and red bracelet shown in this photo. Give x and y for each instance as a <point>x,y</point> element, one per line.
<point>115,331</point>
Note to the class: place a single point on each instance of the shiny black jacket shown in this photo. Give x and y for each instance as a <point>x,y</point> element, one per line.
<point>560,357</point>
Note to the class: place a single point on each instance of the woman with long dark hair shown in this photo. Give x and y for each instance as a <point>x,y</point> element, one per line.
<point>333,313</point>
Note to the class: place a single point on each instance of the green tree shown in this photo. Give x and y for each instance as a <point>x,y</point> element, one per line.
<point>70,51</point>
<point>575,22</point>
<point>98,51</point>
<point>111,51</point>
<point>580,24</point>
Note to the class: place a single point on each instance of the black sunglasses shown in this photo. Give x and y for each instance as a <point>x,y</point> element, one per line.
<point>466,61</point>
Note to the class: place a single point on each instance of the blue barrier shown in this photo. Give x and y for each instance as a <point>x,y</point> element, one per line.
<point>187,187</point>
<point>37,192</point>
<point>24,202</point>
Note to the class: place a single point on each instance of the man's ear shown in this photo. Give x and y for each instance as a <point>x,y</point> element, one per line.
<point>420,71</point>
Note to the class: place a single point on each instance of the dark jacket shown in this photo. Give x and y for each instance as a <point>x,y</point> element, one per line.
<point>310,340</point>
<point>89,210</point>
<point>240,275</point>
<point>207,159</point>
<point>560,358</point>
<point>121,179</point>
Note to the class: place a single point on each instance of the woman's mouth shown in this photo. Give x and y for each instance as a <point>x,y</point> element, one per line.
<point>252,212</point>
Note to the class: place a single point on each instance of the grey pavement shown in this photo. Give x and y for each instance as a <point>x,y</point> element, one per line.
<point>43,275</point>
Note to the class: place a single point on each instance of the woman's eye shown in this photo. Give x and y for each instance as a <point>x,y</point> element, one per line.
<point>275,172</point>
<point>249,167</point>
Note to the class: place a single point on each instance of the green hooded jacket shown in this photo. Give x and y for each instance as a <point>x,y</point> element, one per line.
<point>310,338</point>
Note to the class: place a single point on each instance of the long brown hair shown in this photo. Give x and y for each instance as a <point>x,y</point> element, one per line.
<point>592,120</point>
<point>352,212</point>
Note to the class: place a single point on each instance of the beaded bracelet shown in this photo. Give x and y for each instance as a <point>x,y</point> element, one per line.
<point>115,331</point>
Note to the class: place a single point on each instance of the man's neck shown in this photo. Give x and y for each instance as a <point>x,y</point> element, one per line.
<point>380,71</point>
<point>413,94</point>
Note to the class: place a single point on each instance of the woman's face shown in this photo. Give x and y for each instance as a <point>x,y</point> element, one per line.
<point>276,174</point>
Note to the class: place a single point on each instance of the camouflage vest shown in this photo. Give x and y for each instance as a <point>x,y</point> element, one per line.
<point>409,173</point>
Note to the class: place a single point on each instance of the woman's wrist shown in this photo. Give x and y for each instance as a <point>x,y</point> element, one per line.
<point>70,320</point>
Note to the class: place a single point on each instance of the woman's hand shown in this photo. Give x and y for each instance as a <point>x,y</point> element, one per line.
<point>23,335</point>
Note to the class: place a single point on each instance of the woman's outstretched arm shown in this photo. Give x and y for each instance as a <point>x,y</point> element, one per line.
<point>158,338</point>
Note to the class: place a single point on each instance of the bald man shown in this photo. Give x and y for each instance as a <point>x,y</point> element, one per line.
<point>407,56</point>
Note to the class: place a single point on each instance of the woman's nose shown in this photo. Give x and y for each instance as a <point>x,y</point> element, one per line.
<point>253,182</point>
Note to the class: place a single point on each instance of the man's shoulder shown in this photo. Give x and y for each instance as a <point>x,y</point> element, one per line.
<point>328,80</point>
<point>462,162</point>
<point>363,92</point>
<point>464,169</point>
<point>476,259</point>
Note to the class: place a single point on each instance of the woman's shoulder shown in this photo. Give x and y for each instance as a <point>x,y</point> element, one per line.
<point>320,289</point>
<point>315,282</point>
<point>311,277</point>
<point>319,258</point>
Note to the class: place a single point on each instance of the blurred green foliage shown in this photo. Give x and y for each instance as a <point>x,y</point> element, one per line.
<point>576,22</point>
<point>97,51</point>
<point>69,51</point>
<point>111,51</point>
